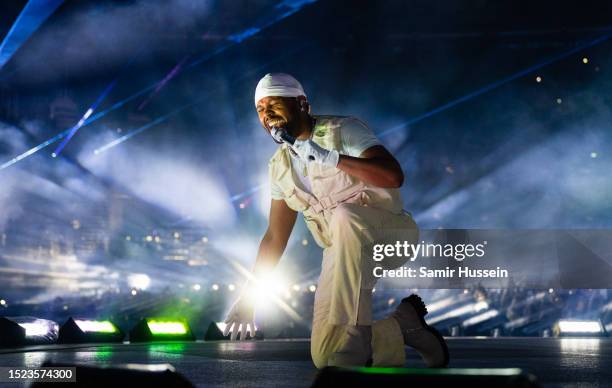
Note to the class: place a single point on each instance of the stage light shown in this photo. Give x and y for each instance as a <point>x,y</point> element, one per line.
<point>87,330</point>
<point>2,302</point>
<point>134,292</point>
<point>585,60</point>
<point>566,327</point>
<point>480,318</point>
<point>205,239</point>
<point>139,281</point>
<point>149,238</point>
<point>312,288</point>
<point>161,329</point>
<point>231,287</point>
<point>242,205</point>
<point>177,235</point>
<point>172,328</point>
<point>197,287</point>
<point>215,287</point>
<point>593,155</point>
<point>559,101</point>
<point>304,242</point>
<point>538,79</point>
<point>16,331</point>
<point>128,238</point>
<point>96,326</point>
<point>296,287</point>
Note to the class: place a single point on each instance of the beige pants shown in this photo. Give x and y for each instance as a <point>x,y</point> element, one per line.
<point>344,291</point>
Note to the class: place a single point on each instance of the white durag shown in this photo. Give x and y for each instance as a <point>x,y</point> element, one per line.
<point>278,85</point>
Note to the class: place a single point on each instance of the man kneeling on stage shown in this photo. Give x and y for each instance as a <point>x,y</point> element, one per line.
<point>345,183</point>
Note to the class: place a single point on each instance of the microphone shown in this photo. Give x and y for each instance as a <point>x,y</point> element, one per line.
<point>280,135</point>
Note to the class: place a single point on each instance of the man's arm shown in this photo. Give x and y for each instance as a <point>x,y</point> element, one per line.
<point>240,317</point>
<point>273,244</point>
<point>375,166</point>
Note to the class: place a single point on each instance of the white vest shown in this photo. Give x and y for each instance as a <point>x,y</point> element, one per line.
<point>330,186</point>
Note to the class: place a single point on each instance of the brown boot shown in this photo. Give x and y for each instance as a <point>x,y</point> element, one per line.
<point>418,335</point>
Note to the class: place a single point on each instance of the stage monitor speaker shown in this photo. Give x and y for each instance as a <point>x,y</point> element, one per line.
<point>79,331</point>
<point>425,377</point>
<point>161,329</point>
<point>18,331</point>
<point>128,375</point>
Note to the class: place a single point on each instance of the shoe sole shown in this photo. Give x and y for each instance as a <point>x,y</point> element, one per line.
<point>419,306</point>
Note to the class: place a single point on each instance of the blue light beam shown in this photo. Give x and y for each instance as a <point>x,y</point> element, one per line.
<point>29,20</point>
<point>88,113</point>
<point>494,85</point>
<point>176,111</point>
<point>290,7</point>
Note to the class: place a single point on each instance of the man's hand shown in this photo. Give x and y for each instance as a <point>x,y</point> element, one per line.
<point>240,319</point>
<point>309,151</point>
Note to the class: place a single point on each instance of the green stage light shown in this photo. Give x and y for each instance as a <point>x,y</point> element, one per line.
<point>161,329</point>
<point>88,330</point>
<point>165,327</point>
<point>96,326</point>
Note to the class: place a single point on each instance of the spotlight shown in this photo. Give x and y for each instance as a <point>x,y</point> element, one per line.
<point>161,329</point>
<point>85,330</point>
<point>585,60</point>
<point>215,287</point>
<point>577,328</point>
<point>27,331</point>
<point>559,101</point>
<point>312,288</point>
<point>538,79</point>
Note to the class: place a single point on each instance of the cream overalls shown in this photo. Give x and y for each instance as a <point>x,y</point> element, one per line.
<point>346,217</point>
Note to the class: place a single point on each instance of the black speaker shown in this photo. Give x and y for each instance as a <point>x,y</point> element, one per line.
<point>426,377</point>
<point>18,331</point>
<point>86,331</point>
<point>161,329</point>
<point>121,376</point>
<point>214,333</point>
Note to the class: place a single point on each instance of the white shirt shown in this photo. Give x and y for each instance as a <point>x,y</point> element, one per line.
<point>355,137</point>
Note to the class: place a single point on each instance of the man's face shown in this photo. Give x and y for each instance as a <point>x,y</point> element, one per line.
<point>282,112</point>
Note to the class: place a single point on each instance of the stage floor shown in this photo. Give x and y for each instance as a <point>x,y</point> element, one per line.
<point>556,362</point>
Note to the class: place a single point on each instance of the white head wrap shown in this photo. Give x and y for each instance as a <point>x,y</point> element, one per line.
<point>278,85</point>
